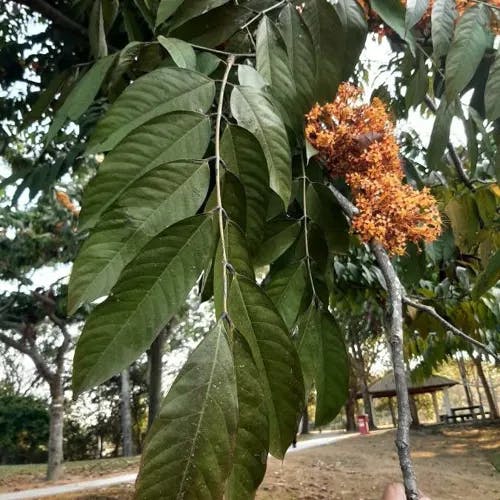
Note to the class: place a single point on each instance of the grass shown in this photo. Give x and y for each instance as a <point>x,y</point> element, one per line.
<point>81,468</point>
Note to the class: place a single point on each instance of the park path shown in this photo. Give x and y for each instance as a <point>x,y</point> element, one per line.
<point>130,478</point>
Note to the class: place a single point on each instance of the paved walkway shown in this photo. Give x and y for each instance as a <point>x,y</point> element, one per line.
<point>130,478</point>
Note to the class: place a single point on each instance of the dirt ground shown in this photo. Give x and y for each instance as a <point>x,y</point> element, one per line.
<point>452,464</point>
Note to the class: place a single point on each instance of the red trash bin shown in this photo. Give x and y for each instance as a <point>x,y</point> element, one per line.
<point>363,424</point>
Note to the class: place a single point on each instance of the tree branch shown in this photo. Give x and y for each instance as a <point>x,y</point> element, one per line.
<point>395,295</point>
<point>54,15</point>
<point>455,159</point>
<point>32,352</point>
<point>456,331</point>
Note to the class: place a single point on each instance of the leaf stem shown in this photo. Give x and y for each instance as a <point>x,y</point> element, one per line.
<point>223,52</point>
<point>262,13</point>
<point>306,229</point>
<point>220,209</point>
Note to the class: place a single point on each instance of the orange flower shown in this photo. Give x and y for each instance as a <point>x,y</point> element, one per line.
<point>65,201</point>
<point>356,141</point>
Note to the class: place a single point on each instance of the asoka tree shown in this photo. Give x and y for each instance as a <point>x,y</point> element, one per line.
<point>213,176</point>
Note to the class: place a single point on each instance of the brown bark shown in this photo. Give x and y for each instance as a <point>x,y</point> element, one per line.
<point>486,386</point>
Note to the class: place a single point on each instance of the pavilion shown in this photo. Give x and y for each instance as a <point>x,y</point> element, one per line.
<point>386,388</point>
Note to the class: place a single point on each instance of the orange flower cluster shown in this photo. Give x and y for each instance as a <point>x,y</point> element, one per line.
<point>356,141</point>
<point>376,25</point>
<point>65,201</point>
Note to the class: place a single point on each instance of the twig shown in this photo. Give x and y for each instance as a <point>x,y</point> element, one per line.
<point>395,293</point>
<point>220,209</point>
<point>265,11</point>
<point>456,331</point>
<point>223,52</point>
<point>33,353</point>
<point>455,159</point>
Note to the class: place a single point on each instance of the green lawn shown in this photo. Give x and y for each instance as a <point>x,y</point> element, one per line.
<point>12,474</point>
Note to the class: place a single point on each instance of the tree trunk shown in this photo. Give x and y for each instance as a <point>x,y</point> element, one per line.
<point>367,402</point>
<point>486,386</point>
<point>414,412</point>
<point>126,416</point>
<point>55,451</point>
<point>350,411</point>
<point>393,412</point>
<point>305,421</point>
<point>155,353</point>
<point>465,381</point>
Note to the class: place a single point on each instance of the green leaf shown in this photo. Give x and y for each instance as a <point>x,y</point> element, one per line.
<point>81,96</point>
<point>492,92</point>
<point>440,134</point>
<point>244,157</point>
<point>417,85</point>
<point>174,136</point>
<point>278,236</point>
<point>301,56</point>
<point>156,200</point>
<point>470,41</point>
<point>150,290</point>
<point>286,288</point>
<point>166,9</point>
<point>444,13</point>
<point>97,34</point>
<point>336,45</point>
<point>146,10</point>
<point>180,51</point>
<point>252,441</point>
<point>415,9</point>
<point>393,14</point>
<point>327,214</point>
<point>488,278</point>
<point>354,30</point>
<point>254,112</point>
<point>45,98</point>
<point>191,9</point>
<point>274,354</point>
<point>465,222</point>
<point>215,27</point>
<point>250,77</point>
<point>207,63</point>
<point>157,93</point>
<point>272,64</point>
<point>324,358</point>
<point>189,449</point>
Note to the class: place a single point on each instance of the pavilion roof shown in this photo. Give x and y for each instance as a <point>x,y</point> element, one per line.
<point>386,387</point>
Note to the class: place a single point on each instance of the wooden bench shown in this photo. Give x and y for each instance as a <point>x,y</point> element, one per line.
<point>464,414</point>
